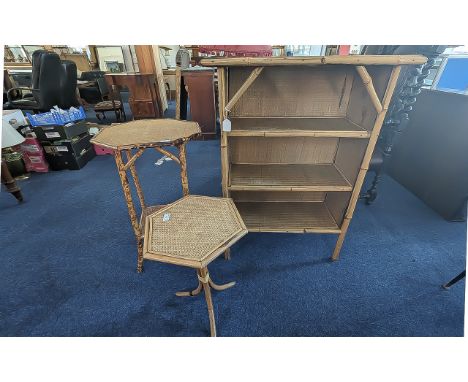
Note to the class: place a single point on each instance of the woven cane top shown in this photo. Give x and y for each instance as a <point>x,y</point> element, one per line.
<point>145,133</point>
<point>192,231</point>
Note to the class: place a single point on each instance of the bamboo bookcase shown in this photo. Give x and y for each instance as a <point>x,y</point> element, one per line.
<point>303,130</point>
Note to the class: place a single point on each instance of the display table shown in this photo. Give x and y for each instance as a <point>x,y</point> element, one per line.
<point>192,232</point>
<point>140,135</point>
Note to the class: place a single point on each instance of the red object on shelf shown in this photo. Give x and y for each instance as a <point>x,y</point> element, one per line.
<point>238,50</point>
<point>343,50</point>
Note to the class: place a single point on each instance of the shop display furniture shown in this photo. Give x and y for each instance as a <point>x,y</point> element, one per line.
<point>144,98</point>
<point>298,134</point>
<point>111,101</point>
<point>197,85</point>
<point>131,139</point>
<point>192,232</point>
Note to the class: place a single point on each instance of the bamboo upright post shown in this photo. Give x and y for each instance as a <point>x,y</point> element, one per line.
<point>130,206</point>
<point>183,168</point>
<point>178,81</point>
<point>222,90</point>
<point>224,139</point>
<point>366,159</point>
<point>136,180</point>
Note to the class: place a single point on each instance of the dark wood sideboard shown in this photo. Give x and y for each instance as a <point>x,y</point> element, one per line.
<point>144,99</point>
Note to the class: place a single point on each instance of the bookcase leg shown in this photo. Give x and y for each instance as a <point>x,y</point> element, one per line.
<point>341,237</point>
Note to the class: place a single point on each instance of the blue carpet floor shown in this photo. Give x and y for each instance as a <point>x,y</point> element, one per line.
<point>69,256</point>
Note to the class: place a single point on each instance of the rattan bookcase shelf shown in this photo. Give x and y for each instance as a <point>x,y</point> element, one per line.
<point>303,130</point>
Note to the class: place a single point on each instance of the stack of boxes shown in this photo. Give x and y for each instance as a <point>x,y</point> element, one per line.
<point>68,146</point>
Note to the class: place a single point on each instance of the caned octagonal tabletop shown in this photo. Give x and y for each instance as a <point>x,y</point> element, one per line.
<point>146,133</point>
<point>192,231</point>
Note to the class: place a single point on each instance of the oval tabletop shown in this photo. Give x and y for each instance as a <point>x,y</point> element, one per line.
<point>145,133</point>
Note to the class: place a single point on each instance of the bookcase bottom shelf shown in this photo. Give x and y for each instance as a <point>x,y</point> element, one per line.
<point>296,217</point>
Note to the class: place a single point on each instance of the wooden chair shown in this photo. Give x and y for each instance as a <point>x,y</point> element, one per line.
<point>111,101</point>
<point>192,232</point>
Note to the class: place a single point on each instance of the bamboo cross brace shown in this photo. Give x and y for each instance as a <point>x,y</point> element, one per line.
<point>367,81</point>
<point>132,159</point>
<point>168,154</point>
<point>249,81</point>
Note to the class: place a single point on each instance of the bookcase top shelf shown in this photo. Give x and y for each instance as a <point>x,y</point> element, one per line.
<point>316,60</point>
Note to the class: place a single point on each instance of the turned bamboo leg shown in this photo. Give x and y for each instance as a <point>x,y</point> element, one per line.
<point>194,292</point>
<point>136,180</point>
<point>222,286</point>
<point>341,237</point>
<point>227,254</point>
<point>204,277</point>
<point>130,206</point>
<point>183,169</point>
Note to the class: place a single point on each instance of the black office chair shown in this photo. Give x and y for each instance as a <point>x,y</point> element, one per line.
<point>53,83</point>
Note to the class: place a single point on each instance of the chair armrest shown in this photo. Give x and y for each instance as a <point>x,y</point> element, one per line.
<point>10,92</point>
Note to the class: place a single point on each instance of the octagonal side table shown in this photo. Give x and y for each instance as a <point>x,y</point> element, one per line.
<point>192,232</point>
<point>139,135</point>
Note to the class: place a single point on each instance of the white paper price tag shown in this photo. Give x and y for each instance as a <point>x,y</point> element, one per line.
<point>166,217</point>
<point>226,125</point>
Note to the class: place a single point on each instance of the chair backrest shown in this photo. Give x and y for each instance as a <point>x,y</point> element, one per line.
<point>48,87</point>
<point>68,82</point>
<point>103,88</point>
<point>115,94</point>
<point>36,67</point>
<point>92,75</point>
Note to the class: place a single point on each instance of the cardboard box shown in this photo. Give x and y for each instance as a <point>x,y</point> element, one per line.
<point>71,146</point>
<point>56,133</point>
<point>63,161</point>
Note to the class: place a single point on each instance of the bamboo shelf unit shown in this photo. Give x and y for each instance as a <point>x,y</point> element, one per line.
<point>302,132</point>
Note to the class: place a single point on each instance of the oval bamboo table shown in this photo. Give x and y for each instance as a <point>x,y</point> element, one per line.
<point>140,135</point>
<point>192,232</point>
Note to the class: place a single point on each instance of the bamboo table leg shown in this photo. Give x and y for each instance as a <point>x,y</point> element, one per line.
<point>204,278</point>
<point>205,282</point>
<point>136,180</point>
<point>130,206</point>
<point>183,168</point>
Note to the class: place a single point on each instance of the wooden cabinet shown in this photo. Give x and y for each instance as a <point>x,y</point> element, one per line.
<point>144,100</point>
<point>197,84</point>
<point>302,131</point>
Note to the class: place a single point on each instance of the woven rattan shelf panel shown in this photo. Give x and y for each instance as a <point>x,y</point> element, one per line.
<point>192,231</point>
<point>297,217</point>
<point>145,133</point>
<point>302,127</point>
<point>288,177</point>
